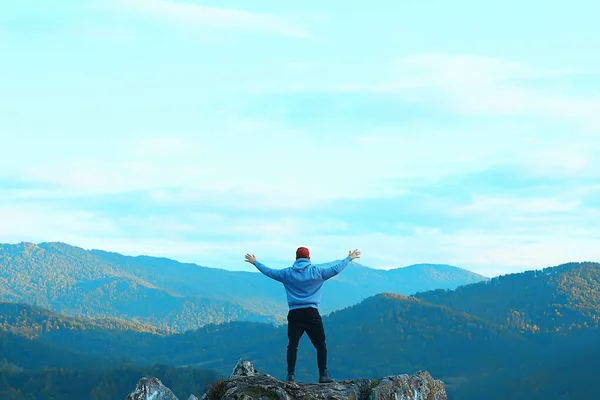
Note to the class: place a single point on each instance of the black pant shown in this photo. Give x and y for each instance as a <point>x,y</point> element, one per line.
<point>306,320</point>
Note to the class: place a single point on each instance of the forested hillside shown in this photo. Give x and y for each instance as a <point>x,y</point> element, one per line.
<point>553,300</point>
<point>177,297</point>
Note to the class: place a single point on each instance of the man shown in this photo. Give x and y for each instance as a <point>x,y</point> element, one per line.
<point>303,283</point>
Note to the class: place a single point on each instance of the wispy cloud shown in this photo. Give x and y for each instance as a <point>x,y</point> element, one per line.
<point>478,85</point>
<point>487,204</point>
<point>247,165</point>
<point>47,222</point>
<point>217,17</point>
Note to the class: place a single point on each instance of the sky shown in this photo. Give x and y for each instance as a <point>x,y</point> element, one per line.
<point>463,133</point>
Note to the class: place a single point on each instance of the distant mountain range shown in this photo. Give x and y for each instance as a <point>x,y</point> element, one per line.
<point>177,297</point>
<point>532,335</point>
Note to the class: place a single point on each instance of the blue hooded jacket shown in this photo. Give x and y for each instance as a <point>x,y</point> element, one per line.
<point>303,281</point>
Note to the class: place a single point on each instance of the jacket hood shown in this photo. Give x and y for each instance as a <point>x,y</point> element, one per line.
<point>301,264</point>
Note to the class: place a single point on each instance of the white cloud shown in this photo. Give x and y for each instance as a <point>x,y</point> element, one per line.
<point>513,252</point>
<point>268,164</point>
<point>237,162</point>
<point>493,205</point>
<point>94,177</point>
<point>248,164</point>
<point>34,222</point>
<point>195,14</point>
<point>476,85</point>
<point>161,146</point>
<point>434,152</point>
<point>258,228</point>
<point>573,156</point>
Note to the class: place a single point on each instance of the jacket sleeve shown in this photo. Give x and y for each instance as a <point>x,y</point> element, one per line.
<point>330,272</point>
<point>276,274</point>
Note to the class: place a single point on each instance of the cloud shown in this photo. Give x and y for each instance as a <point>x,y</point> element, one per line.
<point>249,164</point>
<point>438,115</point>
<point>190,14</point>
<point>486,204</point>
<point>494,234</point>
<point>237,162</point>
<point>160,146</point>
<point>47,222</point>
<point>510,252</point>
<point>477,85</point>
<point>96,177</point>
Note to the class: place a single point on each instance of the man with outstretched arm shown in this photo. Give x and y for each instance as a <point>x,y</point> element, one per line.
<point>303,283</point>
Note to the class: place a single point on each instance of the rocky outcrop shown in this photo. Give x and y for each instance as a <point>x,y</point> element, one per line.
<point>246,383</point>
<point>244,368</point>
<point>150,388</point>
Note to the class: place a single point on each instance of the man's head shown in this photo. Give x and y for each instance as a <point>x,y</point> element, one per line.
<point>302,252</point>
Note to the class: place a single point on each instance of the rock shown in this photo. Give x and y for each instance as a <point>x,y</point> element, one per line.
<point>420,386</point>
<point>251,385</point>
<point>246,383</point>
<point>150,388</point>
<point>243,368</point>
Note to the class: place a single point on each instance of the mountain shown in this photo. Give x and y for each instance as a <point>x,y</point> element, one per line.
<point>553,300</point>
<point>435,275</point>
<point>366,282</point>
<point>468,344</point>
<point>461,336</point>
<point>100,284</point>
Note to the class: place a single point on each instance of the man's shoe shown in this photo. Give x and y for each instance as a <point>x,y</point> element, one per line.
<point>290,377</point>
<point>325,378</point>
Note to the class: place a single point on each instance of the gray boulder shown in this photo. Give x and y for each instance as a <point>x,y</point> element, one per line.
<point>151,388</point>
<point>243,368</point>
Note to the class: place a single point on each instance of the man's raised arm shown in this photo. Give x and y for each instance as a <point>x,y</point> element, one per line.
<point>271,273</point>
<point>330,272</point>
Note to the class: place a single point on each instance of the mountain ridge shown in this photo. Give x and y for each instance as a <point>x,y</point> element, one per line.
<point>73,281</point>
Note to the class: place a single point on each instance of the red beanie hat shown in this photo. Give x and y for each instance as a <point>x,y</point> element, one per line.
<point>302,252</point>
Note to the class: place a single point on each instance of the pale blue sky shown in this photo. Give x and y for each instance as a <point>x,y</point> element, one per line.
<point>449,132</point>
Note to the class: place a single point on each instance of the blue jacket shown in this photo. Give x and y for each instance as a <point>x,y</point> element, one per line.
<point>303,281</point>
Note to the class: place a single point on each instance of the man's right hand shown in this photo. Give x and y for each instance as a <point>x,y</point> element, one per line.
<point>354,254</point>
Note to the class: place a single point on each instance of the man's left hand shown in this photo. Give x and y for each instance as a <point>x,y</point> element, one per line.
<point>250,258</point>
<point>354,254</point>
